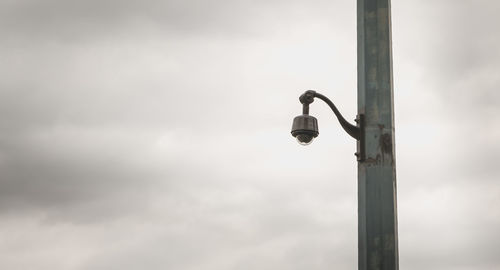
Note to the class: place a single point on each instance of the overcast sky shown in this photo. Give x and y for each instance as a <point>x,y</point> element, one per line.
<point>155,134</point>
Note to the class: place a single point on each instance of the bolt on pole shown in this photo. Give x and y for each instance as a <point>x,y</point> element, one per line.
<point>377,208</point>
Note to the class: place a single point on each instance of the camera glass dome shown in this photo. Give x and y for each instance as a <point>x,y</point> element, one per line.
<point>305,139</point>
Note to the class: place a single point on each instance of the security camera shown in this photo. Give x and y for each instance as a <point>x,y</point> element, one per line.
<point>305,128</point>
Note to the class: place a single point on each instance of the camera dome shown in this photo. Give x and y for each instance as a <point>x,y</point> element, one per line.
<point>305,128</point>
<point>304,139</point>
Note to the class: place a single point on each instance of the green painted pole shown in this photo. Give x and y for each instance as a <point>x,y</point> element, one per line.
<point>377,211</point>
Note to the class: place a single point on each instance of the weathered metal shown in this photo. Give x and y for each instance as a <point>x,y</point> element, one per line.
<point>377,208</point>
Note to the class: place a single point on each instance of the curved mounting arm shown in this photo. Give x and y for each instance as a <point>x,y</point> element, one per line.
<point>308,98</point>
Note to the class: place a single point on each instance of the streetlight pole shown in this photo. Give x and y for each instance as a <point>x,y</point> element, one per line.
<point>374,133</point>
<point>377,211</point>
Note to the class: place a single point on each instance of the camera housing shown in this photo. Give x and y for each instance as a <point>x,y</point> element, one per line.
<point>305,128</point>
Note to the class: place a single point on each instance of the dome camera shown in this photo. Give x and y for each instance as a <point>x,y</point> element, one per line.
<point>305,129</point>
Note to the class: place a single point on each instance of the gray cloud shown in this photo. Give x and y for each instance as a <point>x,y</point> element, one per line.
<point>155,135</point>
<point>74,21</point>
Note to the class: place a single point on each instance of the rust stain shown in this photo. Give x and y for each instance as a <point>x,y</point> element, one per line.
<point>386,144</point>
<point>370,160</point>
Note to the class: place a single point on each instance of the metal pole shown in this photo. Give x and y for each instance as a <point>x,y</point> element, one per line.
<point>377,211</point>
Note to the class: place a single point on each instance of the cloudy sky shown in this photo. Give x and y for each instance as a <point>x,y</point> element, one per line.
<point>155,134</point>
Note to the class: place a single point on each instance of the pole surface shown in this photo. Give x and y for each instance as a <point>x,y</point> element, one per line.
<point>377,211</point>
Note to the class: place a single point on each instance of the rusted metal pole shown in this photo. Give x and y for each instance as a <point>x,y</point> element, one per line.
<point>377,211</point>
